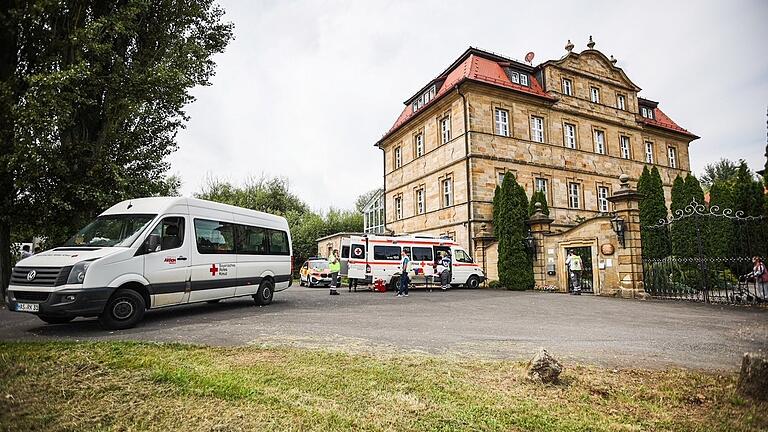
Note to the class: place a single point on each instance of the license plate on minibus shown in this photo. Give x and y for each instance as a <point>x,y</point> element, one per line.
<point>27,307</point>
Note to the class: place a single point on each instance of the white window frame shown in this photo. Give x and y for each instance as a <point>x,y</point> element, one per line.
<point>602,199</point>
<point>594,94</point>
<point>599,137</point>
<point>626,148</point>
<point>514,77</point>
<point>672,156</point>
<point>569,135</point>
<point>500,177</point>
<point>621,102</point>
<point>398,207</point>
<point>524,79</point>
<point>646,112</point>
<point>649,152</point>
<point>420,201</point>
<point>567,86</point>
<point>537,130</point>
<point>398,157</point>
<point>574,195</point>
<point>445,129</point>
<point>447,192</point>
<point>540,185</point>
<point>418,142</point>
<point>501,119</point>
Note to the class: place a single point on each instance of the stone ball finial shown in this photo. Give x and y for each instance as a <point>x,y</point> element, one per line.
<point>624,179</point>
<point>591,43</point>
<point>537,206</point>
<point>613,60</point>
<point>569,46</point>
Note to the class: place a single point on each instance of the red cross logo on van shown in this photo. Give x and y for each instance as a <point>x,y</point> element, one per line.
<point>213,269</point>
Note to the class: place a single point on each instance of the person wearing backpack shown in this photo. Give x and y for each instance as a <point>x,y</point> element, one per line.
<point>760,274</point>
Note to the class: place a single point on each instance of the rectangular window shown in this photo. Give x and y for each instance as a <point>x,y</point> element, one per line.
<point>501,177</point>
<point>594,93</point>
<point>419,143</point>
<point>541,185</point>
<point>569,131</point>
<point>447,192</point>
<point>398,157</point>
<point>602,199</point>
<point>420,201</point>
<point>278,243</point>
<point>502,122</point>
<point>599,142</point>
<point>621,102</point>
<point>214,237</point>
<point>169,233</point>
<point>646,112</point>
<point>252,240</point>
<point>514,77</point>
<point>462,257</point>
<point>422,254</point>
<point>672,152</point>
<point>625,149</point>
<point>537,129</point>
<point>574,195</point>
<point>649,152</point>
<point>445,129</point>
<point>567,87</point>
<point>523,79</point>
<point>398,208</point>
<point>386,253</point>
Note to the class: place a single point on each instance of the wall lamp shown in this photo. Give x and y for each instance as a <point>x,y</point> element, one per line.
<point>619,227</point>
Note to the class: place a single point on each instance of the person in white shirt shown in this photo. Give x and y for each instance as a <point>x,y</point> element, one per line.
<point>573,262</point>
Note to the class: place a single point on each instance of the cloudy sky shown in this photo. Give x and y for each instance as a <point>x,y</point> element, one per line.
<point>307,87</point>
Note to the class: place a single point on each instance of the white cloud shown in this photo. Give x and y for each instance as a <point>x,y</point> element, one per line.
<point>307,87</point>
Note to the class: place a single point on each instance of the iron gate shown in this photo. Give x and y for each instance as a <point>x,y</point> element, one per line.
<point>703,254</point>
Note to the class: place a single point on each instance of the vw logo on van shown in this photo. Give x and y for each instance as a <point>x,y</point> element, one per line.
<point>31,275</point>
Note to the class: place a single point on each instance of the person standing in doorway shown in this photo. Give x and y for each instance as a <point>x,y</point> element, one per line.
<point>573,262</point>
<point>334,266</point>
<point>404,279</point>
<point>445,276</point>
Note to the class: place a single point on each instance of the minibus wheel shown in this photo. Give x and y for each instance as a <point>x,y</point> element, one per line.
<point>264,295</point>
<point>55,320</point>
<point>124,309</point>
<point>473,282</point>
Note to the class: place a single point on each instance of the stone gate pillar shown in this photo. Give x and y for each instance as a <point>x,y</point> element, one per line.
<point>626,203</point>
<point>539,224</point>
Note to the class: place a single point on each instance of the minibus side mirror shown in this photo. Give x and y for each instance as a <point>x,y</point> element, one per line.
<point>151,244</point>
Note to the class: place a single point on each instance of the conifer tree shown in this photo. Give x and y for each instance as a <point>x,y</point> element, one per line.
<point>720,229</point>
<point>747,192</point>
<point>539,197</point>
<point>653,209</point>
<point>680,230</point>
<point>510,214</point>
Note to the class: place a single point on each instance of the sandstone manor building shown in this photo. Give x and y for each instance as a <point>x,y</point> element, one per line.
<point>569,127</point>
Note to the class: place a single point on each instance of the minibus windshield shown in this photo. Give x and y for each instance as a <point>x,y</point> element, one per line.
<point>111,230</point>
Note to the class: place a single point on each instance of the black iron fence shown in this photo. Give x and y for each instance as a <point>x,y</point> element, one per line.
<point>705,254</point>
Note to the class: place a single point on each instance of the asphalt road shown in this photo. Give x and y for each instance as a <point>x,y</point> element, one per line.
<point>476,323</point>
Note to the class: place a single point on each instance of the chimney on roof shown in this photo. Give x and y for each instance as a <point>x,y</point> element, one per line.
<point>591,43</point>
<point>569,46</point>
<point>613,60</point>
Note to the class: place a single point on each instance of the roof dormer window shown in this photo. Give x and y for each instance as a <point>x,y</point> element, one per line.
<point>424,98</point>
<point>646,112</point>
<point>518,77</point>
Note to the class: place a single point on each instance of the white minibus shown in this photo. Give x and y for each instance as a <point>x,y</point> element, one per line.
<point>150,253</point>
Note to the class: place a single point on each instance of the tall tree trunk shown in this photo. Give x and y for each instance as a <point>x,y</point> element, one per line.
<point>5,257</point>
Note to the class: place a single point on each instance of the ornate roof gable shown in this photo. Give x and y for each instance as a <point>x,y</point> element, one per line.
<point>593,63</point>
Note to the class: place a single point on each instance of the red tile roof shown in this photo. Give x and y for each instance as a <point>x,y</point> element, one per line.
<point>473,68</point>
<point>663,121</point>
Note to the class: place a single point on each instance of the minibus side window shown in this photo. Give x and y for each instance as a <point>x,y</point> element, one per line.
<point>386,253</point>
<point>278,243</point>
<point>214,237</point>
<point>422,254</point>
<point>345,251</point>
<point>169,233</point>
<point>252,240</point>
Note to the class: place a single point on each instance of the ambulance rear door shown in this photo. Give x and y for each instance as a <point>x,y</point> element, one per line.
<point>357,262</point>
<point>344,258</point>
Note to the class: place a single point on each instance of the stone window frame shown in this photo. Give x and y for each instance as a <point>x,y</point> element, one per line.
<point>629,146</point>
<point>623,98</point>
<point>580,197</point>
<point>397,156</point>
<point>440,183</point>
<point>497,106</point>
<point>594,140</point>
<point>398,197</point>
<point>504,171</point>
<point>646,141</point>
<point>570,80</point>
<point>419,133</point>
<point>607,186</point>
<point>544,122</point>
<point>575,124</point>
<point>599,90</point>
<point>445,116</point>
<point>549,192</point>
<point>421,187</point>
<point>672,159</point>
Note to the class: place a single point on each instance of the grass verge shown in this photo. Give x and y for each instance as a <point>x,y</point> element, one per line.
<point>122,386</point>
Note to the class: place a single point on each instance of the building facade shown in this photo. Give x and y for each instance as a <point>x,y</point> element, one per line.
<point>569,127</point>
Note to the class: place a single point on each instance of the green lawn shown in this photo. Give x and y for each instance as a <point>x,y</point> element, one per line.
<point>136,386</point>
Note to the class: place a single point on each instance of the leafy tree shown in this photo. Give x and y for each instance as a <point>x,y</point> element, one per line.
<point>723,171</point>
<point>92,95</point>
<point>720,229</point>
<point>510,216</point>
<point>653,209</point>
<point>538,197</point>
<point>365,198</point>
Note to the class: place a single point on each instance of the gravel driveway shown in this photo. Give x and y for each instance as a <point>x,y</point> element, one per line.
<point>476,323</point>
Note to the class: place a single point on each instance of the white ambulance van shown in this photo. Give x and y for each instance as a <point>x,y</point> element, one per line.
<point>375,257</point>
<point>150,253</point>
